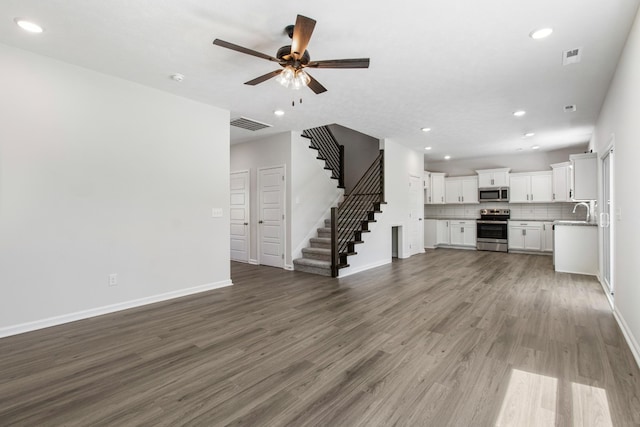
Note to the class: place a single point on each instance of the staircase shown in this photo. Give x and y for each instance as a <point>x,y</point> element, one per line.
<point>336,241</point>
<point>316,258</point>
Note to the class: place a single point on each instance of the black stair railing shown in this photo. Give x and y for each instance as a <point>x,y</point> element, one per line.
<point>329,150</point>
<point>354,214</point>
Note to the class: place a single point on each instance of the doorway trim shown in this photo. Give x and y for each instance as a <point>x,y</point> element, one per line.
<point>248,212</point>
<point>608,151</point>
<point>285,217</point>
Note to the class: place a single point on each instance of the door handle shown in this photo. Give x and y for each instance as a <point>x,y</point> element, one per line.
<point>246,223</point>
<point>260,222</point>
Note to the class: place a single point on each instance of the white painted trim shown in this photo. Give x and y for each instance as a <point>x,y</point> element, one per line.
<point>363,268</point>
<point>285,220</point>
<point>253,261</point>
<point>628,336</point>
<point>98,311</point>
<point>288,267</point>
<point>248,192</point>
<point>606,291</point>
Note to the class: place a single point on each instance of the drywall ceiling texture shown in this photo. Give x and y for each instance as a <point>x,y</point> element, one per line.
<point>460,67</point>
<point>619,119</point>
<point>101,176</point>
<point>530,162</point>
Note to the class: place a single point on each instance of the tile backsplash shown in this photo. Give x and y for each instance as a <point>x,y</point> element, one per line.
<point>529,211</point>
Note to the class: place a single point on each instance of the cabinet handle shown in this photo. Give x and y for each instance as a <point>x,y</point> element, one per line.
<point>544,227</point>
<point>532,197</point>
<point>491,181</point>
<point>554,196</point>
<point>570,193</point>
<point>463,198</point>
<point>429,199</point>
<point>442,198</point>
<point>524,232</point>
<point>527,197</point>
<point>462,229</point>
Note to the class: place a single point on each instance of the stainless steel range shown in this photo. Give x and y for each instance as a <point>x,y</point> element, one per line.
<point>492,230</point>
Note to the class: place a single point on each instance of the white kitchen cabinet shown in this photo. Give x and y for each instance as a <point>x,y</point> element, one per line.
<point>585,176</point>
<point>430,233</point>
<point>531,187</point>
<point>437,188</point>
<point>463,233</point>
<point>463,189</point>
<point>525,236</point>
<point>442,232</point>
<point>547,236</point>
<point>493,177</point>
<point>576,248</point>
<point>427,187</point>
<point>561,186</point>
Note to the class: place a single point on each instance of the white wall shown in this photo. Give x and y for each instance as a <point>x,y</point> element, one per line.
<point>274,150</point>
<point>619,116</point>
<point>528,162</point>
<point>313,193</point>
<point>399,163</point>
<point>99,175</point>
<point>360,151</point>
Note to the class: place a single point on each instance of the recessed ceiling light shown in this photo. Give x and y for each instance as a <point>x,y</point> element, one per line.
<point>519,113</point>
<point>519,149</point>
<point>426,129</point>
<point>529,134</point>
<point>279,113</point>
<point>32,27</point>
<point>447,157</point>
<point>177,77</point>
<point>427,148</point>
<point>540,33</point>
<point>535,147</point>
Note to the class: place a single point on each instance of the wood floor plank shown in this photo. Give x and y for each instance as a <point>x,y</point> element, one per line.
<point>437,339</point>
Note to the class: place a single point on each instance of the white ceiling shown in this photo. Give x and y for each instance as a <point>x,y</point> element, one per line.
<point>460,67</point>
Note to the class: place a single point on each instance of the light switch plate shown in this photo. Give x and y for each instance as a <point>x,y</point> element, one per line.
<point>216,212</point>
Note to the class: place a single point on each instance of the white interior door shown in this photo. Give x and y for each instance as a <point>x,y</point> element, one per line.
<point>605,220</point>
<point>239,213</point>
<point>416,211</point>
<point>271,216</point>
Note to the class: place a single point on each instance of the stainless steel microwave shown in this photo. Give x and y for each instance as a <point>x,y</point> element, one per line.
<point>494,194</point>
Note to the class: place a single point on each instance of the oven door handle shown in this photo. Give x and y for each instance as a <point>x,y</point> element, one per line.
<point>491,222</point>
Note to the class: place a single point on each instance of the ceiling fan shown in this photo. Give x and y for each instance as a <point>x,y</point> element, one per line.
<point>295,58</point>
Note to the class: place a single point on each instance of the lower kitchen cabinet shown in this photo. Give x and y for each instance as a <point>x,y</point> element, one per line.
<point>442,232</point>
<point>547,236</point>
<point>463,233</point>
<point>525,236</point>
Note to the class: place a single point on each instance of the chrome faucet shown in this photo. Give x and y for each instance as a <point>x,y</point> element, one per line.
<point>586,205</point>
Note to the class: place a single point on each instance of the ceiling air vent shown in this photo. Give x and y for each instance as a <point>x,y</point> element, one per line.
<point>249,124</point>
<point>571,56</point>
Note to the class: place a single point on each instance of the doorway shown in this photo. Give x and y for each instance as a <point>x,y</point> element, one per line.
<point>606,224</point>
<point>271,196</point>
<point>239,216</point>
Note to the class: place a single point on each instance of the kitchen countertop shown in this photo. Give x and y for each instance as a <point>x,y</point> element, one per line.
<point>575,223</point>
<point>453,218</point>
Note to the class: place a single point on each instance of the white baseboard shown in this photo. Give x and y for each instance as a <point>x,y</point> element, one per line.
<point>98,311</point>
<point>628,336</point>
<point>353,270</point>
<point>288,267</point>
<point>253,261</point>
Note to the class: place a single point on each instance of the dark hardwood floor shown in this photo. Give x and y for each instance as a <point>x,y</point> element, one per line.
<point>449,338</point>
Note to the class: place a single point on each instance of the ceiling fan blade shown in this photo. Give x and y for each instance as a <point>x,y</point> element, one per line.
<point>340,63</point>
<point>263,78</point>
<point>301,35</point>
<point>245,50</point>
<point>315,85</point>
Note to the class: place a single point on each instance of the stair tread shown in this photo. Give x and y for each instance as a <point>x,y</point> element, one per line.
<point>317,250</point>
<point>312,262</point>
<point>320,239</point>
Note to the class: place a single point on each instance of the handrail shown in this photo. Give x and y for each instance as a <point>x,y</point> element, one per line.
<point>348,220</point>
<point>323,140</point>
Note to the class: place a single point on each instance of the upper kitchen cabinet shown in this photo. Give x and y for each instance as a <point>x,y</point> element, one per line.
<point>585,176</point>
<point>461,189</point>
<point>531,187</point>
<point>436,188</point>
<point>493,177</point>
<point>562,191</point>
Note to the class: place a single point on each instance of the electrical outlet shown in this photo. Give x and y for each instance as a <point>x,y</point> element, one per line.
<point>113,279</point>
